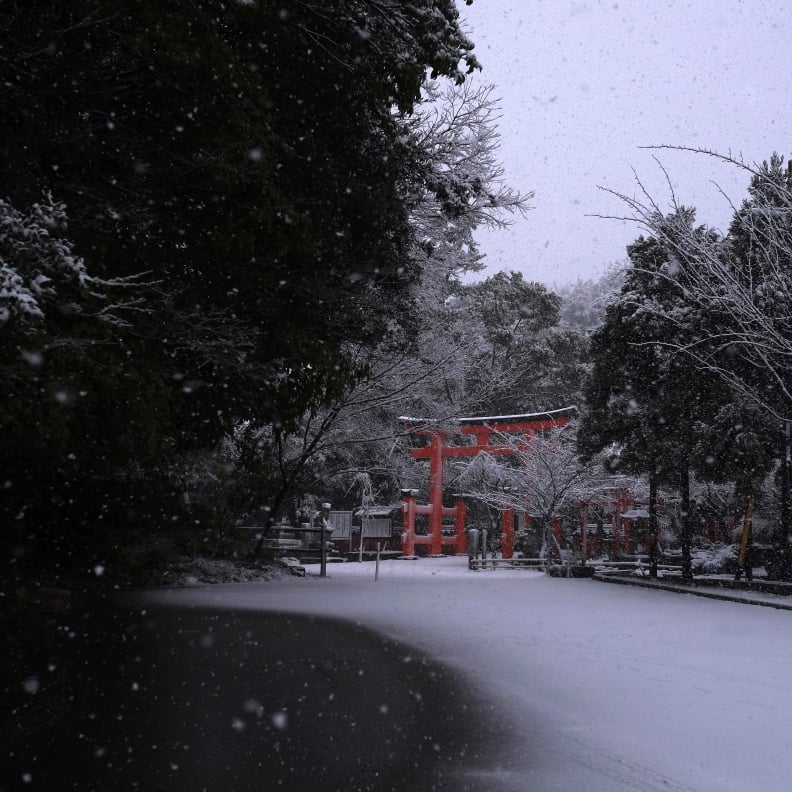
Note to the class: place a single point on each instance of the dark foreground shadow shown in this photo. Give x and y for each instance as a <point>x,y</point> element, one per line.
<point>182,700</point>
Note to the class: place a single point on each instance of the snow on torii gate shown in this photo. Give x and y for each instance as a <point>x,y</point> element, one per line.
<point>438,450</point>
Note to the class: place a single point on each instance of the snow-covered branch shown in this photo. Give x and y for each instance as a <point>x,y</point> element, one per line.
<point>543,477</point>
<point>456,130</point>
<point>41,273</point>
<point>740,285</point>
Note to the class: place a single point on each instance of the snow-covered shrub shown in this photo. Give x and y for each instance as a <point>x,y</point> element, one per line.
<point>196,571</point>
<point>711,558</point>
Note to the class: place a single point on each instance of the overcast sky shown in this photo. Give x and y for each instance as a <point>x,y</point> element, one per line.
<point>585,83</point>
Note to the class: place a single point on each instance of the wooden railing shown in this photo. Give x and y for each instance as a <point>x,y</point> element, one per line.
<point>506,563</point>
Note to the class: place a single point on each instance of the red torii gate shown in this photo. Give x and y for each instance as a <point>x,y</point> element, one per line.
<point>438,450</point>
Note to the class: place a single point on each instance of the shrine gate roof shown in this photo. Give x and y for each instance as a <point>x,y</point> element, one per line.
<point>482,429</point>
<point>496,422</point>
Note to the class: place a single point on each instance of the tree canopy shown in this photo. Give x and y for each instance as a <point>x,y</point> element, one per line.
<point>246,171</point>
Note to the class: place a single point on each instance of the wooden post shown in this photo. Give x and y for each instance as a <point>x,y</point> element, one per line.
<point>507,534</point>
<point>459,527</point>
<point>436,494</point>
<point>584,534</point>
<point>408,534</point>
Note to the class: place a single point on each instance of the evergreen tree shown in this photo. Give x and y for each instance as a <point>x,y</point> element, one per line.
<point>662,414</point>
<point>522,360</point>
<point>741,285</point>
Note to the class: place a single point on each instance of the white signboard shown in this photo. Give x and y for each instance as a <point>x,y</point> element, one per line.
<point>342,524</point>
<point>377,527</point>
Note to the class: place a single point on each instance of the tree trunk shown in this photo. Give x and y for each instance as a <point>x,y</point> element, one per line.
<point>783,560</point>
<point>652,523</point>
<point>686,532</point>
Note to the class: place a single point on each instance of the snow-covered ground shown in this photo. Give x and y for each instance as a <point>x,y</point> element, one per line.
<point>605,688</point>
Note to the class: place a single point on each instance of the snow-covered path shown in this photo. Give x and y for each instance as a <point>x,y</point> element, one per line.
<point>605,688</point>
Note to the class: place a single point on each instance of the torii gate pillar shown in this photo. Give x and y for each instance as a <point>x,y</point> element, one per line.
<point>435,538</point>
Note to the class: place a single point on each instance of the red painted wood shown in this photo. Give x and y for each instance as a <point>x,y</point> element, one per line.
<point>439,448</point>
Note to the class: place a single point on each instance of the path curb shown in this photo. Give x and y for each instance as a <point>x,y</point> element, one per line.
<point>696,591</point>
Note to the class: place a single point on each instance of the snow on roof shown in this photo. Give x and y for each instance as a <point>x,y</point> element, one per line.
<point>636,514</point>
<point>377,511</point>
<point>496,418</point>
